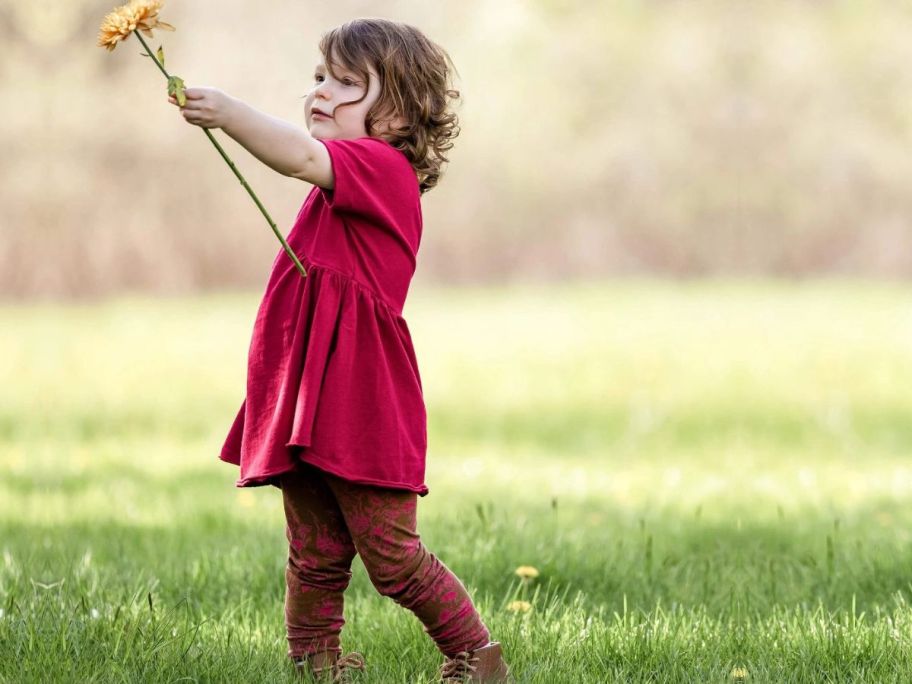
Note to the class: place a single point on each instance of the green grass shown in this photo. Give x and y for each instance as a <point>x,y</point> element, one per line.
<point>707,475</point>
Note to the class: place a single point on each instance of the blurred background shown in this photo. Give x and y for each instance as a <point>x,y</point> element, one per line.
<point>598,139</point>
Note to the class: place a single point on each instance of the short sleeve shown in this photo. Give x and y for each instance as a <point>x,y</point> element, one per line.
<point>371,177</point>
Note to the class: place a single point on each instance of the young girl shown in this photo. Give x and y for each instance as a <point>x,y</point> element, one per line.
<point>334,412</point>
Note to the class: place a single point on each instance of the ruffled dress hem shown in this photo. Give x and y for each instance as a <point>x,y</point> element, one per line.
<point>318,461</point>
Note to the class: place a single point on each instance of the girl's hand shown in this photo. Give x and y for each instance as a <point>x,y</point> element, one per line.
<point>206,107</point>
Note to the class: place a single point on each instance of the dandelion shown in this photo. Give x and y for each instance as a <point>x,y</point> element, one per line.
<point>739,674</point>
<point>95,614</point>
<point>526,572</point>
<point>519,606</point>
<point>141,16</point>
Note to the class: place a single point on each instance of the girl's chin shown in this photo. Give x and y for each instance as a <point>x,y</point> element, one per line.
<point>318,131</point>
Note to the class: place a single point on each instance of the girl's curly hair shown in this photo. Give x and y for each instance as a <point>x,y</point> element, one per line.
<point>414,74</point>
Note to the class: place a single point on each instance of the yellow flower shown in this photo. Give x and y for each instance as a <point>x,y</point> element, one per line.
<point>739,674</point>
<point>526,571</point>
<point>147,16</point>
<point>519,606</point>
<point>139,15</point>
<point>116,26</point>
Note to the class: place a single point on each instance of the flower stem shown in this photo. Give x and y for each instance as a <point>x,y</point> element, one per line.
<point>237,173</point>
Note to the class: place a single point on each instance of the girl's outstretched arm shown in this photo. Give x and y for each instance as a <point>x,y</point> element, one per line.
<point>282,146</point>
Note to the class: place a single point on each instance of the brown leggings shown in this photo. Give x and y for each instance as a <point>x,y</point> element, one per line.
<point>329,520</point>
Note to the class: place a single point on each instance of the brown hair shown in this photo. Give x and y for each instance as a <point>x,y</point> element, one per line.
<point>414,74</point>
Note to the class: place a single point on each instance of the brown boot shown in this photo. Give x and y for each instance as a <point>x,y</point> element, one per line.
<point>484,664</point>
<point>330,666</point>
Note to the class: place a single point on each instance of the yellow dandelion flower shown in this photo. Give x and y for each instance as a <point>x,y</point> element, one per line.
<point>519,606</point>
<point>526,571</point>
<point>136,15</point>
<point>739,674</point>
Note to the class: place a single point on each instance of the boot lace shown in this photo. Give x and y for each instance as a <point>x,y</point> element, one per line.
<point>459,668</point>
<point>341,668</point>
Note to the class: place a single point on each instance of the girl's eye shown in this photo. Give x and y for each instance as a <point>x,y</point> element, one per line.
<point>346,81</point>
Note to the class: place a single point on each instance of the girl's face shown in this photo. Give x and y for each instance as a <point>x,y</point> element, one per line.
<point>328,93</point>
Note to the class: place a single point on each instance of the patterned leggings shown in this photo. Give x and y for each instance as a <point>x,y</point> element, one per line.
<point>329,520</point>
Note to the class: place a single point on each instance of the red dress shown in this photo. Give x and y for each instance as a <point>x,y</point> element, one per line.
<point>332,378</point>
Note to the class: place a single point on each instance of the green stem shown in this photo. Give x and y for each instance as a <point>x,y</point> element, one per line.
<point>237,173</point>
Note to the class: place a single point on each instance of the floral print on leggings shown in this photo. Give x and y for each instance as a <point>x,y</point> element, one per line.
<point>328,521</point>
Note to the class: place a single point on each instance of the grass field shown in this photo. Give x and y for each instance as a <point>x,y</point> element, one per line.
<point>713,480</point>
